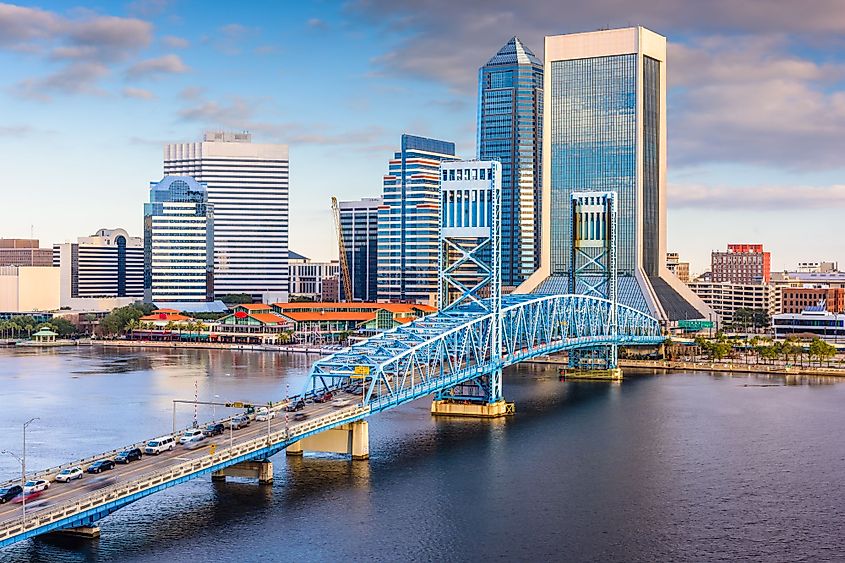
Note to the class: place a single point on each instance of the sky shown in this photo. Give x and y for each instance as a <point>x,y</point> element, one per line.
<point>89,93</point>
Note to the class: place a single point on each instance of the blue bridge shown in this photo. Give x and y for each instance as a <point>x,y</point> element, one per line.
<point>456,356</point>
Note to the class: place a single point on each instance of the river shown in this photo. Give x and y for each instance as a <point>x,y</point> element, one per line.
<point>678,467</point>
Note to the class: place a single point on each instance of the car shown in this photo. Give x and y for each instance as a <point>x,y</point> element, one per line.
<point>100,466</point>
<point>214,429</point>
<point>340,403</point>
<point>300,416</point>
<point>159,445</point>
<point>9,493</point>
<point>295,406</point>
<point>37,486</point>
<point>191,436</point>
<point>128,455</point>
<point>238,421</point>
<point>324,398</point>
<point>69,474</point>
<point>263,414</point>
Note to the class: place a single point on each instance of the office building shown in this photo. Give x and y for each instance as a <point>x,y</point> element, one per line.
<point>741,263</point>
<point>248,186</point>
<point>604,129</point>
<point>24,252</point>
<point>107,265</point>
<point>510,130</point>
<point>727,298</point>
<point>674,265</point>
<point>178,242</point>
<point>409,221</point>
<point>307,277</point>
<point>797,299</point>
<point>359,225</point>
<point>25,289</point>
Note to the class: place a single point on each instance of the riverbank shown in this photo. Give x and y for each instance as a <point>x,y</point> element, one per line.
<point>298,349</point>
<point>710,366</point>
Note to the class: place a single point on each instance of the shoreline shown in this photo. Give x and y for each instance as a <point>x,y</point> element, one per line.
<point>712,366</point>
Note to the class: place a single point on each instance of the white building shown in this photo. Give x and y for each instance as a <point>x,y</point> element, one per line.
<point>306,277</point>
<point>726,298</point>
<point>248,186</point>
<point>25,289</point>
<point>103,271</point>
<point>178,242</point>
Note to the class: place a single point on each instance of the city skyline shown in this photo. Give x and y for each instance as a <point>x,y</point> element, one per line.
<point>109,88</point>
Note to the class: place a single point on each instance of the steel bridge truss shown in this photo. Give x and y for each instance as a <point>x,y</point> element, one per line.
<point>436,353</point>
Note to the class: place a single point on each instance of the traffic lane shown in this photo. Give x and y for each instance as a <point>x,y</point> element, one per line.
<point>64,492</point>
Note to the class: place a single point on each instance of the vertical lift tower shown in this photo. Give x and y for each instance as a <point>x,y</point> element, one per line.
<point>470,275</point>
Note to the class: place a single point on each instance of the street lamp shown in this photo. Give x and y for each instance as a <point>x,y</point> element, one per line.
<point>22,461</point>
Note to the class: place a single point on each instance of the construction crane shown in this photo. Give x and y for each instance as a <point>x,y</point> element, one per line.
<point>346,279</point>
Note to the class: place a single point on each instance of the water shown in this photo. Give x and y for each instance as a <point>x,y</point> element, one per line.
<point>682,467</point>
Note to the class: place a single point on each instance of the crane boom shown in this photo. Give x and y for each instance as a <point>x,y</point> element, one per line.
<point>346,279</point>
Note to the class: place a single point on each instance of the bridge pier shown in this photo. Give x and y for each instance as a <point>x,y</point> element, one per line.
<point>449,407</point>
<point>261,470</point>
<point>352,439</point>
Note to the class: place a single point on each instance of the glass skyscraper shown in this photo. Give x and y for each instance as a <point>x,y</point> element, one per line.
<point>409,221</point>
<point>510,130</point>
<point>605,130</point>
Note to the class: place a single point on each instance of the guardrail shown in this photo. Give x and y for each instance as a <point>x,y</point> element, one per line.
<point>51,472</point>
<point>115,493</point>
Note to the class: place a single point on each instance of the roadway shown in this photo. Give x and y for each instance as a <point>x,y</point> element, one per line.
<point>59,493</point>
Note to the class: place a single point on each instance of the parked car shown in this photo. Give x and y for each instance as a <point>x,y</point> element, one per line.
<point>239,421</point>
<point>263,414</point>
<point>9,493</point>
<point>69,474</point>
<point>100,466</point>
<point>340,403</point>
<point>300,416</point>
<point>128,455</point>
<point>214,429</point>
<point>295,406</point>
<point>191,436</point>
<point>37,485</point>
<point>159,445</point>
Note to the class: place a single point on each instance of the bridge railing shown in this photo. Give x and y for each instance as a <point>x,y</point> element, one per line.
<point>101,499</point>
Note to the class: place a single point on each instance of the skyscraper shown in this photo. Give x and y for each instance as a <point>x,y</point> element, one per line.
<point>605,130</point>
<point>409,221</point>
<point>107,264</point>
<point>359,224</point>
<point>248,187</point>
<point>178,242</point>
<point>510,130</point>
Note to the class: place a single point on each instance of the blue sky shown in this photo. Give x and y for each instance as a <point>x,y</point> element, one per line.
<point>90,92</point>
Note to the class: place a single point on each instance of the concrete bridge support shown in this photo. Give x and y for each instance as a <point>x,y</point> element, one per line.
<point>261,470</point>
<point>352,439</point>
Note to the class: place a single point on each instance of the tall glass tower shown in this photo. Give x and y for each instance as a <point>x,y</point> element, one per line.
<point>510,130</point>
<point>605,130</point>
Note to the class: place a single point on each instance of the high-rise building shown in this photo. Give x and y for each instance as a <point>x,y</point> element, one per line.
<point>24,252</point>
<point>674,265</point>
<point>510,130</point>
<point>248,187</point>
<point>178,242</point>
<point>409,221</point>
<point>741,263</point>
<point>359,225</point>
<point>604,129</point>
<point>108,264</point>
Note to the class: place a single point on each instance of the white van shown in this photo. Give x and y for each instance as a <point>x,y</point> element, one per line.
<point>159,445</point>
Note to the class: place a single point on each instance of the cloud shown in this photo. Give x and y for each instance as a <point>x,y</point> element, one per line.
<point>759,198</point>
<point>138,93</point>
<point>76,78</point>
<point>151,68</point>
<point>175,42</point>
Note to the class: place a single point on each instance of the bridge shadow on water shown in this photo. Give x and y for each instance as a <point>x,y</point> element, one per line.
<point>400,441</point>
